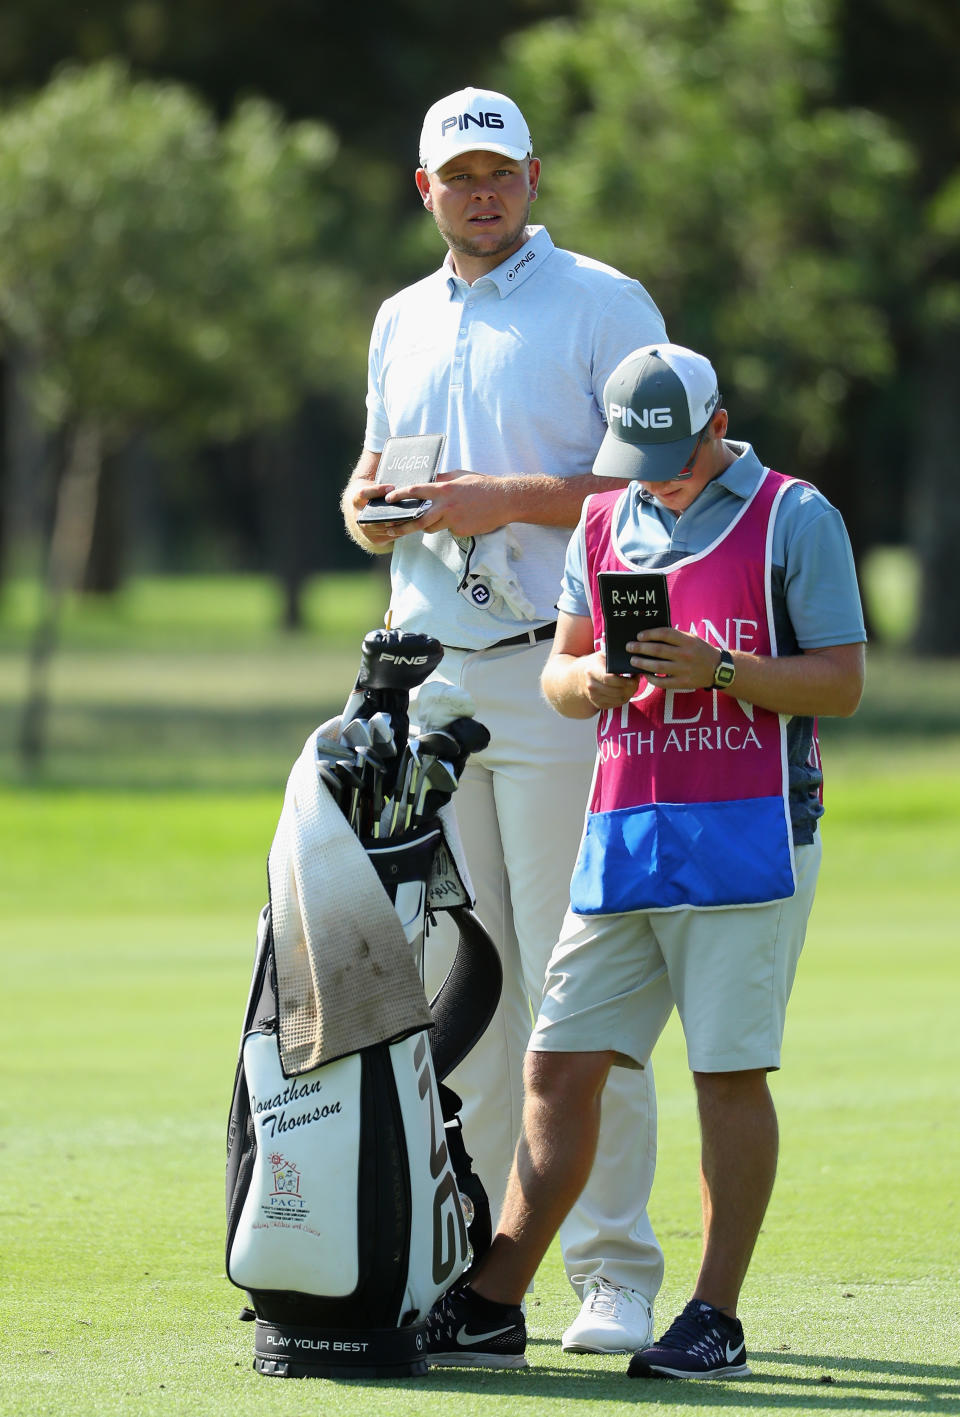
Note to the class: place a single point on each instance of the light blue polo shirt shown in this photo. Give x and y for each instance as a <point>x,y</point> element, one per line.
<point>512,369</point>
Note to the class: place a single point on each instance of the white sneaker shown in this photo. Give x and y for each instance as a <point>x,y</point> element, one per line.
<point>611,1320</point>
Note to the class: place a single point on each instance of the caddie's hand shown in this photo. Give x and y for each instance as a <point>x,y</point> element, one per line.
<point>464,503</point>
<point>603,690</point>
<point>671,659</point>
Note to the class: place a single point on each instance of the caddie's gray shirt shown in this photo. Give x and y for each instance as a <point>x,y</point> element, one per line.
<point>512,369</point>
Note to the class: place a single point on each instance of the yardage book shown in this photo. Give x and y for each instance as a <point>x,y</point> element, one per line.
<point>404,461</point>
<point>630,601</point>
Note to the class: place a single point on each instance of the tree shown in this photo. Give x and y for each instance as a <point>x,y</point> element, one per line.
<point>368,74</point>
<point>161,273</point>
<point>785,179</point>
<point>902,58</point>
<point>697,146</point>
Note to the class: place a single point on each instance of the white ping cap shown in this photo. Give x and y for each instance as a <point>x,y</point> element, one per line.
<point>469,120</point>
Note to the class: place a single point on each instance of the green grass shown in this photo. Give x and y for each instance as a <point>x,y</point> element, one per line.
<point>133,873</point>
<point>188,683</point>
<point>199,612</point>
<point>129,926</point>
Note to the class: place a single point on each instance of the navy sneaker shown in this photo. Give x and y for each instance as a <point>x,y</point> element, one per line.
<point>700,1343</point>
<point>466,1330</point>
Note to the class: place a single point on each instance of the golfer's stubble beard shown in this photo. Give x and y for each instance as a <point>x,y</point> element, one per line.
<point>464,246</point>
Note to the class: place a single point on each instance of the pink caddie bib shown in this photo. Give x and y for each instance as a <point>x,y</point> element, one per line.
<point>689,805</point>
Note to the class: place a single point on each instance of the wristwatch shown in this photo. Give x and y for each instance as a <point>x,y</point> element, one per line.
<point>725,672</point>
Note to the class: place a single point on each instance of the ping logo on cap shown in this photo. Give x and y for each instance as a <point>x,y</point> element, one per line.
<point>462,121</point>
<point>643,418</point>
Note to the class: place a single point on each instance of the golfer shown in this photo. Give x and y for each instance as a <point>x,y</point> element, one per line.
<point>505,350</point>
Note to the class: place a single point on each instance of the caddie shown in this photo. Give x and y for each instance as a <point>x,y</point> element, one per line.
<point>700,854</point>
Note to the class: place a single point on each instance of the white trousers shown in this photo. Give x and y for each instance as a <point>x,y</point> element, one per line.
<point>520,809</point>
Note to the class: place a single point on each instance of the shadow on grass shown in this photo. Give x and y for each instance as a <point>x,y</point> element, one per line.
<point>132,738</point>
<point>109,746</point>
<point>820,1384</point>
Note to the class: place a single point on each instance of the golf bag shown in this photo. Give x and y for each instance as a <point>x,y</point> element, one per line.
<point>351,1201</point>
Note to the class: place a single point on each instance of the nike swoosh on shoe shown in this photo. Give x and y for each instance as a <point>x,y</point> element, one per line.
<point>735,1352</point>
<point>465,1337</point>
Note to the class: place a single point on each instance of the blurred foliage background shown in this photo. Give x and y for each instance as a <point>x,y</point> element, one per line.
<point>202,205</point>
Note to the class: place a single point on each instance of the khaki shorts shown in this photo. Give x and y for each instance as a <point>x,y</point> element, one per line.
<point>613,980</point>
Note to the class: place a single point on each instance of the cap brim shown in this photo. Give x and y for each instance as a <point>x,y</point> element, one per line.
<point>438,160</point>
<point>649,462</point>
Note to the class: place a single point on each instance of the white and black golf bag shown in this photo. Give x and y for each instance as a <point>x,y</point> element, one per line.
<point>351,1201</point>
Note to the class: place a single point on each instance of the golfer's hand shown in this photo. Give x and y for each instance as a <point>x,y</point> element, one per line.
<point>376,533</point>
<point>464,503</point>
<point>673,660</point>
<point>603,690</point>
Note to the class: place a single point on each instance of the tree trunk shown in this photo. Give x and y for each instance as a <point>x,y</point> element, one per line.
<point>103,573</point>
<point>934,498</point>
<point>286,517</point>
<point>70,539</point>
<point>5,478</point>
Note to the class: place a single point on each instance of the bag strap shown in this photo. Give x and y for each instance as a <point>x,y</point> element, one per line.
<point>467,999</point>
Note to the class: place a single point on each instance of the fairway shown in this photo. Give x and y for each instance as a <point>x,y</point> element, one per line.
<point>129,915</point>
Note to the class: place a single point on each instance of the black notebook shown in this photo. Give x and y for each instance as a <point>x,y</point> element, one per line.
<point>630,601</point>
<point>403,462</point>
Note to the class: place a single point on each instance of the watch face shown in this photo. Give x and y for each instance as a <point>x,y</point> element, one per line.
<point>725,673</point>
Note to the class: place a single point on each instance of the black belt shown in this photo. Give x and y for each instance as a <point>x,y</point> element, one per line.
<point>525,637</point>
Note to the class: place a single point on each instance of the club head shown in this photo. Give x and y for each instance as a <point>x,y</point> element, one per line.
<point>438,782</point>
<point>332,750</point>
<point>439,744</point>
<point>381,730</point>
<point>357,733</point>
<point>368,756</point>
<point>442,777</point>
<point>472,736</point>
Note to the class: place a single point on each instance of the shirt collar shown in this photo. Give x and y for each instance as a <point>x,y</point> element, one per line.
<point>512,272</point>
<point>744,473</point>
